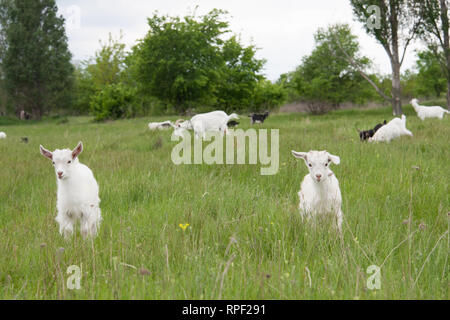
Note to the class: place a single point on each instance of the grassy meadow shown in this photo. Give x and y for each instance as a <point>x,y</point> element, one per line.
<point>245,238</point>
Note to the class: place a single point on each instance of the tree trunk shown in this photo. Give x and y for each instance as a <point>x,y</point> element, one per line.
<point>395,62</point>
<point>448,94</point>
<point>396,89</point>
<point>445,27</point>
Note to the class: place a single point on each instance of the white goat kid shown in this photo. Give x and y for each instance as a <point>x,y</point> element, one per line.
<point>2,135</point>
<point>77,195</point>
<point>394,129</point>
<point>424,112</point>
<point>320,193</point>
<point>160,125</point>
<point>202,123</point>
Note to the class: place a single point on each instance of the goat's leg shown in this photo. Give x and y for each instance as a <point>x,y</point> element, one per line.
<point>65,225</point>
<point>90,221</point>
<point>94,222</point>
<point>339,219</point>
<point>224,130</point>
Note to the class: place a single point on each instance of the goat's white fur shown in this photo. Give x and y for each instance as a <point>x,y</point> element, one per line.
<point>202,123</point>
<point>424,112</point>
<point>320,193</point>
<point>394,129</point>
<point>160,125</point>
<point>2,135</point>
<point>77,195</point>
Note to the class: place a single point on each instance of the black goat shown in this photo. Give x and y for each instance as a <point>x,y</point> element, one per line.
<point>366,134</point>
<point>259,118</point>
<point>233,124</point>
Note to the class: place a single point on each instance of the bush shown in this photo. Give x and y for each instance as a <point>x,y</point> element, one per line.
<point>114,101</point>
<point>268,96</point>
<point>319,107</point>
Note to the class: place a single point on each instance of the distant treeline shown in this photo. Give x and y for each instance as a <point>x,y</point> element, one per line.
<point>183,65</point>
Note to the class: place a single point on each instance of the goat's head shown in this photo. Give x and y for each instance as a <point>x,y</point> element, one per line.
<point>364,135</point>
<point>179,122</point>
<point>63,160</point>
<point>318,163</point>
<point>181,126</point>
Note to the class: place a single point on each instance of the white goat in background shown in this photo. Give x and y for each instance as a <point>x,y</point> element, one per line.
<point>394,129</point>
<point>2,135</point>
<point>202,123</point>
<point>424,112</point>
<point>77,195</point>
<point>320,193</point>
<point>160,125</point>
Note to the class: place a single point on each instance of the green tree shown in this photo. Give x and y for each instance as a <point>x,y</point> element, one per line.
<point>84,90</point>
<point>326,78</point>
<point>288,81</point>
<point>436,22</point>
<point>267,96</point>
<point>113,101</point>
<point>38,74</point>
<point>394,24</point>
<point>239,76</point>
<point>106,68</point>
<point>431,78</point>
<point>108,65</point>
<point>410,86</point>
<point>179,60</point>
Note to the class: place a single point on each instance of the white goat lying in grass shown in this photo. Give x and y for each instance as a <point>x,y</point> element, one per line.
<point>202,123</point>
<point>77,192</point>
<point>424,112</point>
<point>320,193</point>
<point>2,135</point>
<point>394,129</point>
<point>160,125</point>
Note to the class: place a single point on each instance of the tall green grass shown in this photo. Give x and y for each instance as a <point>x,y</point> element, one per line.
<point>245,239</point>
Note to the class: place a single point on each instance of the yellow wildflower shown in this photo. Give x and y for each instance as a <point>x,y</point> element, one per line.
<point>184,226</point>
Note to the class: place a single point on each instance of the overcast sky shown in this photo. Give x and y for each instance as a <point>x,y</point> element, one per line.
<point>282,29</point>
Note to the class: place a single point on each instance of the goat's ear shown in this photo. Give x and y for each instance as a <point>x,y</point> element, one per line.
<point>78,149</point>
<point>46,153</point>
<point>300,155</point>
<point>334,159</point>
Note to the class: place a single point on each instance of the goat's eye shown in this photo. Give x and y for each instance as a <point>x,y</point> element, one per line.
<point>69,161</point>
<point>310,165</point>
<point>53,162</point>
<point>326,164</point>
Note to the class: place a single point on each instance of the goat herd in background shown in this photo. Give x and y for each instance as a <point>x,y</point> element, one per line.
<point>397,127</point>
<point>78,192</point>
<point>202,123</point>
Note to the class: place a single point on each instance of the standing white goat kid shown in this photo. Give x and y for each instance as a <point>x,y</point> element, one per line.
<point>2,135</point>
<point>77,192</point>
<point>202,123</point>
<point>424,112</point>
<point>395,128</point>
<point>320,193</point>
